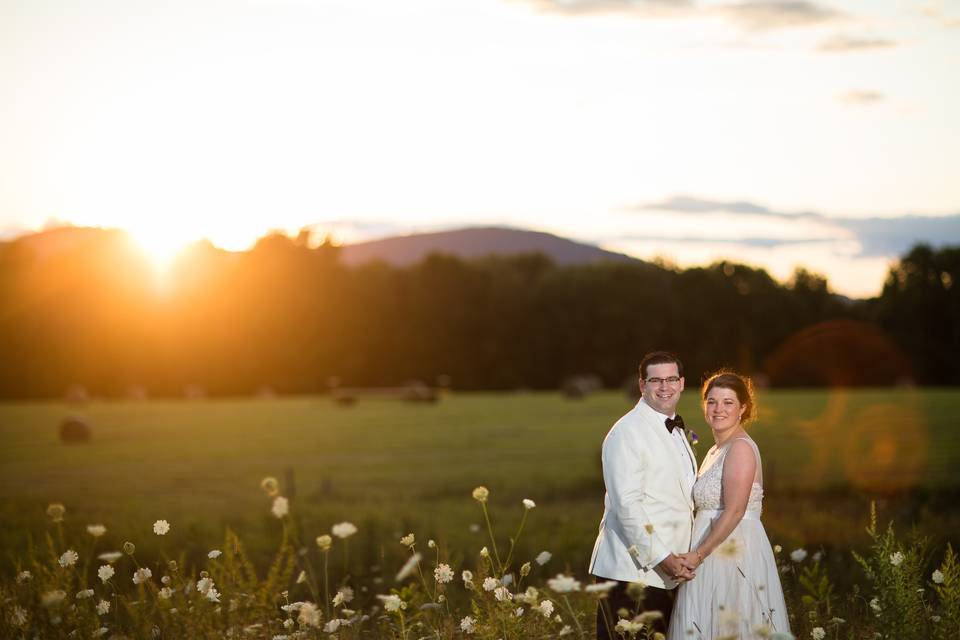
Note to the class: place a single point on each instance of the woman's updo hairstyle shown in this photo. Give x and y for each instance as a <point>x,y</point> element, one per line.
<point>741,385</point>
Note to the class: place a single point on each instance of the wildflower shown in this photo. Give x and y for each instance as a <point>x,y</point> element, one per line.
<point>524,569</point>
<point>937,576</point>
<point>161,527</point>
<point>563,584</point>
<point>896,558</point>
<point>935,618</point>
<point>648,617</point>
<point>407,569</point>
<point>392,603</point>
<point>103,607</point>
<point>817,557</point>
<point>519,612</point>
<point>528,504</point>
<point>214,554</point>
<point>213,595</point>
<point>630,627</point>
<point>105,572</point>
<point>129,548</point>
<point>468,624</point>
<point>502,594</point>
<point>332,625</point>
<point>529,596</point>
<point>875,605</point>
<point>19,616</point>
<point>481,493</point>
<point>546,608</point>
<point>96,530</point>
<point>600,587</point>
<point>102,631</point>
<point>467,579</point>
<point>309,615</point>
<point>730,549</point>
<point>142,575</point>
<point>798,555</point>
<point>777,548</point>
<point>836,620</point>
<point>165,593</point>
<point>23,576</point>
<point>302,577</point>
<point>69,558</point>
<point>110,556</point>
<point>343,530</point>
<point>489,584</point>
<point>56,510</point>
<point>408,540</point>
<point>345,594</point>
<point>474,528</point>
<point>543,558</point>
<point>84,594</point>
<point>443,574</point>
<point>431,544</point>
<point>53,598</point>
<point>507,579</point>
<point>270,486</point>
<point>324,542</point>
<point>281,507</point>
<point>484,553</point>
<point>817,633</point>
<point>567,630</point>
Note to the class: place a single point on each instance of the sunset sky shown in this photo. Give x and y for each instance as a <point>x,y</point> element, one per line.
<point>825,134</point>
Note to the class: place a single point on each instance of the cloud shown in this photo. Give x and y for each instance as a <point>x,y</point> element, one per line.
<point>858,97</point>
<point>645,8</point>
<point>873,237</point>
<point>772,15</point>
<point>845,43</point>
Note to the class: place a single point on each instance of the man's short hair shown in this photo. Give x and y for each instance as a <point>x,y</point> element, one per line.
<point>659,357</point>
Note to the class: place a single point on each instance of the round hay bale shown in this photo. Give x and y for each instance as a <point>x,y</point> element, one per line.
<point>74,430</point>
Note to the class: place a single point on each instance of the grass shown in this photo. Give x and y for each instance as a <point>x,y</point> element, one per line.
<point>392,468</point>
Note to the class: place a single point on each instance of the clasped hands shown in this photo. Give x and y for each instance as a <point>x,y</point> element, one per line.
<point>681,567</point>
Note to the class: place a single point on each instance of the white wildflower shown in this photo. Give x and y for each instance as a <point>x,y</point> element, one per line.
<point>628,627</point>
<point>392,603</point>
<point>529,596</point>
<point>204,585</point>
<point>443,574</point>
<point>161,527</point>
<point>105,572</point>
<point>343,529</point>
<point>52,598</point>
<point>84,594</point>
<point>165,593</point>
<point>468,624</point>
<point>408,540</point>
<point>818,633</point>
<point>214,554</point>
<point>56,510</point>
<point>270,486</point>
<point>546,608</point>
<point>110,556</point>
<point>817,557</point>
<point>23,576</point>
<point>563,584</point>
<point>518,613</point>
<point>281,507</point>
<point>528,504</point>
<point>481,493</point>
<point>649,617</point>
<point>96,530</point>
<point>777,548</point>
<point>896,558</point>
<point>937,576</point>
<point>142,575</point>
<point>489,584</point>
<point>798,555</point>
<point>408,568</point>
<point>484,553</point>
<point>302,577</point>
<point>502,594</point>
<point>18,616</point>
<point>309,615</point>
<point>600,587</point>
<point>567,630</point>
<point>69,558</point>
<point>332,625</point>
<point>875,605</point>
<point>431,544</point>
<point>103,607</point>
<point>324,542</point>
<point>543,558</point>
<point>467,578</point>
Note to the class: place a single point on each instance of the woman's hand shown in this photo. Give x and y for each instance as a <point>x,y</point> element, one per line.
<point>691,559</point>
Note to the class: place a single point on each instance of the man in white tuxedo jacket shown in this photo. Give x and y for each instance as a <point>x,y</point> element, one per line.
<point>648,471</point>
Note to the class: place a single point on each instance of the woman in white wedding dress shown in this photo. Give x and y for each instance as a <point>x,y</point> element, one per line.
<point>736,592</point>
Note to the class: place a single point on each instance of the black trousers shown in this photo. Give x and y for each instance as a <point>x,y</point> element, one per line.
<point>653,600</point>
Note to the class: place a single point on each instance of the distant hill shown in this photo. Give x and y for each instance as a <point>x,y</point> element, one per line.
<point>474,243</point>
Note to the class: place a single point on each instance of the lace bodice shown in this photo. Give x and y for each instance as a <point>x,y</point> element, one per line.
<point>708,490</point>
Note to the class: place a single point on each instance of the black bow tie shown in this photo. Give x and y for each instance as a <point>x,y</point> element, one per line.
<point>674,423</point>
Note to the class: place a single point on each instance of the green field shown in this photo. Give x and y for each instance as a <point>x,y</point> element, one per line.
<point>392,467</point>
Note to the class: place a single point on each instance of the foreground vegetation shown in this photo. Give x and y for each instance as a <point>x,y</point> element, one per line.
<point>71,588</point>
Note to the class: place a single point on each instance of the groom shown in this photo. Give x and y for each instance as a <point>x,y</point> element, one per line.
<point>648,471</point>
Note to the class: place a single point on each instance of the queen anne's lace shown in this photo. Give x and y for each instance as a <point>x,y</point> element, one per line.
<point>708,490</point>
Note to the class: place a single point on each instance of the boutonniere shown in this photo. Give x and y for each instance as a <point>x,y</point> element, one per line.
<point>693,437</point>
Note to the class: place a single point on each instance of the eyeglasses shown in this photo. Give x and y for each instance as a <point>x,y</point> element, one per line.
<point>657,381</point>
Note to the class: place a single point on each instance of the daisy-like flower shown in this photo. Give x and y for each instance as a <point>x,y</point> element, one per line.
<point>408,540</point>
<point>481,493</point>
<point>103,607</point>
<point>543,558</point>
<point>818,633</point>
<point>213,595</point>
<point>392,603</point>
<point>896,558</point>
<point>23,576</point>
<point>489,584</point>
<point>324,542</point>
<point>56,510</point>
<point>69,558</point>
<point>408,567</point>
<point>280,507</point>
<point>270,486</point>
<point>529,596</point>
<point>467,576</point>
<point>213,554</point>
<point>142,575</point>
<point>84,594</point>
<point>161,527</point>
<point>563,584</point>
<point>600,587</point>
<point>105,572</point>
<point>309,615</point>
<point>528,504</point>
<point>110,556</point>
<point>332,625</point>
<point>798,555</point>
<point>502,594</point>
<point>443,574</point>
<point>937,576</point>
<point>343,529</point>
<point>96,530</point>
<point>468,624</point>
<point>165,593</point>
<point>628,627</point>
<point>19,616</point>
<point>777,548</point>
<point>204,584</point>
<point>344,595</point>
<point>545,608</point>
<point>129,548</point>
<point>431,544</point>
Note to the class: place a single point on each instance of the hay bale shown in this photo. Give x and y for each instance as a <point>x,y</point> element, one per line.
<point>74,430</point>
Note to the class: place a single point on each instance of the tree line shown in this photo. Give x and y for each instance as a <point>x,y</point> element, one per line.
<point>289,317</point>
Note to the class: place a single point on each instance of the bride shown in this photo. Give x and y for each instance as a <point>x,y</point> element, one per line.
<point>736,591</point>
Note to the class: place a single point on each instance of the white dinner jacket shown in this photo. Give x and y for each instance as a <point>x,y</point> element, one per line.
<point>648,507</point>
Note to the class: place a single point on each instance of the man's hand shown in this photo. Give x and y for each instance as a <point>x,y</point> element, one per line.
<point>677,568</point>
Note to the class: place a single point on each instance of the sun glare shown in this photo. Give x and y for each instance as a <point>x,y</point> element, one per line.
<point>161,247</point>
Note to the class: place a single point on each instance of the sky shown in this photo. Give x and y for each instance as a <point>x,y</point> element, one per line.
<point>780,134</point>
